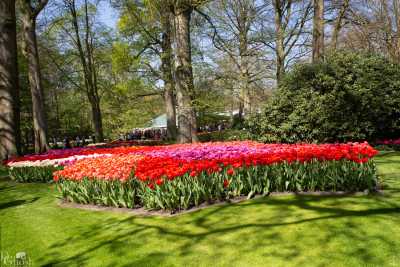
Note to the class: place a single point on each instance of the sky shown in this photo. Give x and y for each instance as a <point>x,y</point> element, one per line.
<point>107,14</point>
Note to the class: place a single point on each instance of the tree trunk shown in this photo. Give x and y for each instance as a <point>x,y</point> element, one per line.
<point>245,89</point>
<point>184,76</point>
<point>245,81</point>
<point>397,22</point>
<point>166,68</point>
<point>318,31</point>
<point>243,25</point>
<point>35,83</point>
<point>280,52</point>
<point>338,24</point>
<point>169,99</point>
<point>387,28</point>
<point>97,118</point>
<point>9,96</point>
<point>89,68</point>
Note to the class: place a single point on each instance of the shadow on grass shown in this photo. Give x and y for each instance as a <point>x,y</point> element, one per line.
<point>207,226</point>
<point>15,203</point>
<point>284,228</point>
<point>3,172</point>
<point>5,188</point>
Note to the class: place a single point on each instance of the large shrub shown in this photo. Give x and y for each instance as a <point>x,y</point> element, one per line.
<point>350,96</point>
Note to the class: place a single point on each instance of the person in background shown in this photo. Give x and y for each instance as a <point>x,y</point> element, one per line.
<point>83,141</point>
<point>55,145</point>
<point>78,141</point>
<point>67,143</point>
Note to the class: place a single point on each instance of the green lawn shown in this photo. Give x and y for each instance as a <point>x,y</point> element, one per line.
<point>272,231</point>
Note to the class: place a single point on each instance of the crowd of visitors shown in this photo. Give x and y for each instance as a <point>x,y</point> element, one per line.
<point>160,133</point>
<point>213,127</point>
<point>151,133</point>
<point>68,142</point>
<point>145,134</point>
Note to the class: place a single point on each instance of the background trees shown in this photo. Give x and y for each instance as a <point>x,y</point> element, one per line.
<point>233,27</point>
<point>149,30</point>
<point>198,62</point>
<point>84,39</point>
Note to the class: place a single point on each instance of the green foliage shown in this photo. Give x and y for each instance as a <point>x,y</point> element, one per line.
<point>42,174</point>
<point>101,192</point>
<point>211,119</point>
<point>350,96</point>
<point>225,135</point>
<point>187,191</point>
<point>73,116</point>
<point>133,99</point>
<point>120,59</point>
<point>125,107</point>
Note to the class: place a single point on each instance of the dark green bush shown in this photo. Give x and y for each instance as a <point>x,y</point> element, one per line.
<point>350,96</point>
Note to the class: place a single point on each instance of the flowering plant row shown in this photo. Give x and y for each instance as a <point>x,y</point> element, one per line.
<point>188,191</point>
<point>173,161</point>
<point>215,150</point>
<point>62,157</point>
<point>180,176</point>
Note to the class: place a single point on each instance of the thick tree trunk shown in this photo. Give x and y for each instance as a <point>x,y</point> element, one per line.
<point>184,76</point>
<point>318,31</point>
<point>35,83</point>
<point>166,68</point>
<point>280,52</point>
<point>9,96</point>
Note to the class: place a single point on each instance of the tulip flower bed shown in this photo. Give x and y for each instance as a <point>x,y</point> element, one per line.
<point>40,167</point>
<point>182,176</point>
